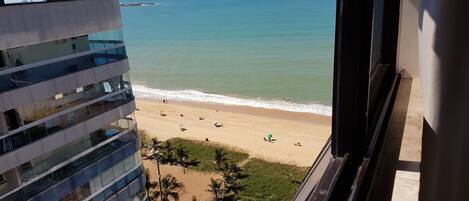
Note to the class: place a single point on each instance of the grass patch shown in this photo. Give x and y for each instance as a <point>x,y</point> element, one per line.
<point>204,153</point>
<point>271,181</point>
<point>264,181</point>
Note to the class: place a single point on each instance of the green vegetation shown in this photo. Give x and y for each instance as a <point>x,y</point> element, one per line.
<point>204,153</point>
<point>271,181</point>
<point>255,180</point>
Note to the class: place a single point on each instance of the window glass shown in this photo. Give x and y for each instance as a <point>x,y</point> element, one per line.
<point>107,176</point>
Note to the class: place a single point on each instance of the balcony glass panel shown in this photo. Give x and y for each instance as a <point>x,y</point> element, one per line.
<point>116,187</point>
<point>26,136</point>
<point>54,70</point>
<point>42,164</point>
<point>60,175</point>
<point>40,109</point>
<point>87,189</point>
<point>25,55</point>
<point>105,39</point>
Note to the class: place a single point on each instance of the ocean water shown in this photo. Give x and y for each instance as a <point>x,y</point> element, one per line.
<point>240,52</point>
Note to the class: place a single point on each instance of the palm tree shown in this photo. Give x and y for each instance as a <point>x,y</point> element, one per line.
<point>150,186</point>
<point>231,175</point>
<point>167,156</point>
<point>150,147</point>
<point>182,158</point>
<point>170,188</point>
<point>232,184</point>
<point>216,188</point>
<point>154,154</point>
<point>233,169</point>
<point>220,157</point>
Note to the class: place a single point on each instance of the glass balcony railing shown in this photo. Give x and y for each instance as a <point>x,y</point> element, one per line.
<point>119,185</point>
<point>45,72</point>
<point>38,110</point>
<point>26,135</point>
<point>82,164</point>
<point>117,177</point>
<point>42,164</point>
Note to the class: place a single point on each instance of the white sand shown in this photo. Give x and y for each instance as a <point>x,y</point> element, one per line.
<point>244,128</point>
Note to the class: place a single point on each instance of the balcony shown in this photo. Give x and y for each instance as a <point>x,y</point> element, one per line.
<point>86,144</point>
<point>53,136</point>
<point>62,179</point>
<point>128,187</point>
<point>36,72</point>
<point>48,126</point>
<point>17,78</point>
<point>66,102</point>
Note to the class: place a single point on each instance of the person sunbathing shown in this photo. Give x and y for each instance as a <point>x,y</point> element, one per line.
<point>218,125</point>
<point>162,114</point>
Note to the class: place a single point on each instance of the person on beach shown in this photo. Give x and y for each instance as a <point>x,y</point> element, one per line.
<point>218,125</point>
<point>269,137</point>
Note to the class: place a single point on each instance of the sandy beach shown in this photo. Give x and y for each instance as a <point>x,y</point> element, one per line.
<point>195,183</point>
<point>243,128</point>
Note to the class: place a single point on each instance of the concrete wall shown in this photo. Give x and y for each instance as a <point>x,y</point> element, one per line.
<point>444,61</point>
<point>40,91</point>
<point>24,154</point>
<point>408,57</point>
<point>29,24</point>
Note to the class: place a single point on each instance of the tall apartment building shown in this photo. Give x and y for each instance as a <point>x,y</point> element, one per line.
<point>67,130</point>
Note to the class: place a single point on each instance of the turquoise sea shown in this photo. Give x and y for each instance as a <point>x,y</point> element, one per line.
<point>241,52</point>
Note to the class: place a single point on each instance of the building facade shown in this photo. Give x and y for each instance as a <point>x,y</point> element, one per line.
<point>67,130</point>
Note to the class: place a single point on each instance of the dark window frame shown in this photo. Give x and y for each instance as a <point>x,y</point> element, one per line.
<point>365,83</point>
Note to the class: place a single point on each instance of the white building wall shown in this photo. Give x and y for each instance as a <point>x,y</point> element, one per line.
<point>408,55</point>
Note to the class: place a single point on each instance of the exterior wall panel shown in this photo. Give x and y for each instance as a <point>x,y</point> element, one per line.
<point>35,23</point>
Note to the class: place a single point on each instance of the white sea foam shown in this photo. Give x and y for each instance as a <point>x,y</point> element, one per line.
<point>197,96</point>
